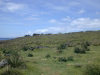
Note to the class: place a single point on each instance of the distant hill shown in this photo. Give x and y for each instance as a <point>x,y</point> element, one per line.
<point>5,38</point>
<point>53,40</point>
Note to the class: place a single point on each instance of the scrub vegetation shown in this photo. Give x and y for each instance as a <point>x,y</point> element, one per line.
<point>75,53</point>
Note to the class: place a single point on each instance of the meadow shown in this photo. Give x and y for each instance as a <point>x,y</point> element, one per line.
<point>41,55</point>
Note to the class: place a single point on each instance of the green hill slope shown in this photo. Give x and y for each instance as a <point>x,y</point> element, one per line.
<point>41,56</point>
<point>54,40</point>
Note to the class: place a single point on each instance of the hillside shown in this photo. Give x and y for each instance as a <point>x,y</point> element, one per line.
<point>54,40</point>
<point>42,57</point>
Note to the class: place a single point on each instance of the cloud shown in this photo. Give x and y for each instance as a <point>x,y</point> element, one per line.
<point>52,21</point>
<point>65,6</point>
<point>10,6</point>
<point>78,24</point>
<point>86,23</point>
<point>81,11</point>
<point>66,18</point>
<point>98,13</point>
<point>29,33</point>
<point>49,30</point>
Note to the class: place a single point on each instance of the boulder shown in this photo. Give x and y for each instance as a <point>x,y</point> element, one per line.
<point>3,63</point>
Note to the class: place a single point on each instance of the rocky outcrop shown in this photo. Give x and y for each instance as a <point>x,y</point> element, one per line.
<point>3,63</point>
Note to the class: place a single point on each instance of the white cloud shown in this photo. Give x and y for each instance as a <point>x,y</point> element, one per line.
<point>10,6</point>
<point>87,23</point>
<point>65,6</point>
<point>42,30</point>
<point>66,19</point>
<point>81,11</point>
<point>78,24</point>
<point>52,21</point>
<point>49,30</point>
<point>98,13</point>
<point>29,33</point>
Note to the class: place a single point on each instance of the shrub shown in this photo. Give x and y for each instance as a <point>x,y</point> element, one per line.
<point>27,35</point>
<point>78,65</point>
<point>61,47</point>
<point>62,59</point>
<point>47,56</point>
<point>14,60</point>
<point>79,50</point>
<point>25,48</point>
<point>30,55</point>
<point>70,58</point>
<point>11,72</point>
<point>92,69</point>
<point>85,45</point>
<point>31,48</point>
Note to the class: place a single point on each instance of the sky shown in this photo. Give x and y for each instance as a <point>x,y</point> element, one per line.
<point>23,17</point>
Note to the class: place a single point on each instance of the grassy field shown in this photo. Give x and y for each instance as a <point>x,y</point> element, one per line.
<point>39,64</point>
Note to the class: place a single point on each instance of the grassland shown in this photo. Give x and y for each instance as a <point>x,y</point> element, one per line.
<point>39,64</point>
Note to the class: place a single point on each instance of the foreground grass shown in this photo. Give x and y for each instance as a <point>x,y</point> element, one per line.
<point>40,65</point>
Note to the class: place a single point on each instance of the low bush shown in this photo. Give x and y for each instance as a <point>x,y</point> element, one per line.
<point>78,65</point>
<point>30,55</point>
<point>11,72</point>
<point>70,58</point>
<point>61,47</point>
<point>62,59</point>
<point>85,45</point>
<point>14,60</point>
<point>79,50</point>
<point>47,56</point>
<point>92,69</point>
<point>25,48</point>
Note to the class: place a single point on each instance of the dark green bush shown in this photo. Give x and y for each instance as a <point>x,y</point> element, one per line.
<point>76,50</point>
<point>62,59</point>
<point>25,48</point>
<point>79,50</point>
<point>85,45</point>
<point>30,55</point>
<point>11,72</point>
<point>47,56</point>
<point>27,35</point>
<point>92,69</point>
<point>70,58</point>
<point>61,46</point>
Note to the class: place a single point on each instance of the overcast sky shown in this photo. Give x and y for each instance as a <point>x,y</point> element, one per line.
<point>20,17</point>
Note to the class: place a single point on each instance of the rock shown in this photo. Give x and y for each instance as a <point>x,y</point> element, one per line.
<point>3,63</point>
